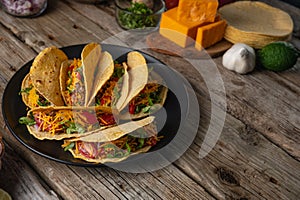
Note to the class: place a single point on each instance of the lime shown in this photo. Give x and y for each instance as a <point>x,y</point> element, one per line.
<point>4,195</point>
<point>278,56</point>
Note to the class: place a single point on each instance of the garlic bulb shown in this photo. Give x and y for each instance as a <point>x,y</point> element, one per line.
<point>239,58</point>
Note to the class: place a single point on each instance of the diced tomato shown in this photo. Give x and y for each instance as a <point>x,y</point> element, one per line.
<point>152,141</point>
<point>90,117</point>
<point>104,99</point>
<point>131,108</point>
<point>71,67</point>
<point>107,119</point>
<point>87,149</point>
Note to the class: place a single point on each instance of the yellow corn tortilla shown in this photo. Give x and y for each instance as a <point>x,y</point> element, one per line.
<point>25,84</point>
<point>155,78</point>
<point>31,103</point>
<point>111,134</point>
<point>114,132</point>
<point>124,89</point>
<point>41,135</point>
<point>106,160</point>
<point>63,79</point>
<point>138,75</point>
<point>255,23</point>
<point>104,70</point>
<point>90,57</point>
<point>45,71</point>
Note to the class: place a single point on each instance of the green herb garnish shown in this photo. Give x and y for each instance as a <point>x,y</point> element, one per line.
<point>140,16</point>
<point>27,121</point>
<point>70,146</point>
<point>75,128</point>
<point>26,90</point>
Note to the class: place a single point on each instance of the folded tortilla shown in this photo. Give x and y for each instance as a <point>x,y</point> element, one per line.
<point>149,100</point>
<point>114,91</point>
<point>138,75</point>
<point>103,74</point>
<point>116,143</point>
<point>45,71</point>
<point>30,96</point>
<point>94,69</point>
<point>56,123</point>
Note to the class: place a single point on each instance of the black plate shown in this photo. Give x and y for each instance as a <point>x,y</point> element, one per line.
<point>176,106</point>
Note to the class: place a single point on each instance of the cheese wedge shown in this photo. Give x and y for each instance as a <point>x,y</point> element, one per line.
<point>210,34</point>
<point>197,10</point>
<point>181,33</point>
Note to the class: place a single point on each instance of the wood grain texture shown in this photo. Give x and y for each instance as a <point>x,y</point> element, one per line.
<point>19,180</point>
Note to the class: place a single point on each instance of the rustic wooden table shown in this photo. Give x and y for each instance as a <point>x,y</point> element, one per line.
<point>257,155</point>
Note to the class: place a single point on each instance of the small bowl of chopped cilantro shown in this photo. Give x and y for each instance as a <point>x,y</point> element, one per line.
<point>139,14</point>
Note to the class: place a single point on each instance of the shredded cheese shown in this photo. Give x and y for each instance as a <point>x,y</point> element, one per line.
<point>33,98</point>
<point>52,121</point>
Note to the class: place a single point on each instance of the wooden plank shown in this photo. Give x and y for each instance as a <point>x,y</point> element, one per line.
<point>76,182</point>
<point>104,17</point>
<point>59,26</point>
<point>167,183</point>
<point>243,164</point>
<point>264,100</point>
<point>20,181</point>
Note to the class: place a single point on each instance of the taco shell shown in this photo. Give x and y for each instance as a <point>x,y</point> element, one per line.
<point>110,134</point>
<point>104,70</point>
<point>138,75</point>
<point>153,78</point>
<point>45,71</point>
<point>124,89</point>
<point>114,132</point>
<point>63,80</point>
<point>90,57</point>
<point>106,160</point>
<point>41,135</point>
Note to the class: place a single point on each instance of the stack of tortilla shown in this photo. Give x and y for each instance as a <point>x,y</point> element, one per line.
<point>82,101</point>
<point>255,23</point>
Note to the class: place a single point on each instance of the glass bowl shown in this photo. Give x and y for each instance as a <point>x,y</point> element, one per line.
<point>24,8</point>
<point>136,16</point>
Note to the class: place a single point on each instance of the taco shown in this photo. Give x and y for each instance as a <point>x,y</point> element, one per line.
<point>30,96</point>
<point>116,143</point>
<point>149,100</point>
<point>56,123</point>
<point>79,76</point>
<point>72,85</point>
<point>138,75</point>
<point>128,80</point>
<point>114,91</point>
<point>44,74</point>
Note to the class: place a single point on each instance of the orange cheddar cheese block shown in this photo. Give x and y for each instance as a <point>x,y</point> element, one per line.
<point>197,10</point>
<point>210,34</point>
<point>181,33</point>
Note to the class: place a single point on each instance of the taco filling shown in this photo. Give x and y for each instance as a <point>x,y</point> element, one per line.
<point>144,137</point>
<point>75,88</point>
<point>109,93</point>
<point>33,97</point>
<point>66,121</point>
<point>149,96</point>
